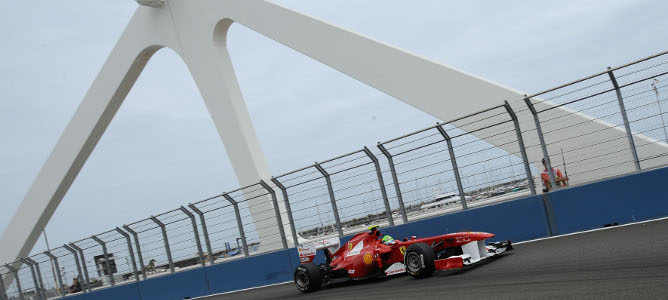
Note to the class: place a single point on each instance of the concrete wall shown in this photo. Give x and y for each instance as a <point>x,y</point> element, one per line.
<point>621,200</point>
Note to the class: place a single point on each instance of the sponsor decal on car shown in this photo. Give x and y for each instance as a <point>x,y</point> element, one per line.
<point>368,258</point>
<point>463,239</point>
<point>395,268</point>
<point>356,250</point>
<point>306,254</point>
<point>306,251</point>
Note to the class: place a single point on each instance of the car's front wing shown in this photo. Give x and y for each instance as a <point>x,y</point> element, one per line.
<point>473,252</point>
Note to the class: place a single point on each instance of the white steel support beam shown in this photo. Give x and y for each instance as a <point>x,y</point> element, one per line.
<point>141,39</point>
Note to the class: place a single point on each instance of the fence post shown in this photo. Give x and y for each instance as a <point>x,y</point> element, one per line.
<point>279,220</point>
<point>240,224</point>
<point>455,169</point>
<point>130,251</point>
<point>381,183</point>
<point>83,266</point>
<point>166,240</point>
<point>627,125</point>
<point>543,146</point>
<point>205,232</point>
<point>110,274</point>
<point>395,180</point>
<point>3,292</point>
<point>523,150</point>
<point>18,280</point>
<point>284,191</point>
<point>30,264</point>
<point>40,290</point>
<point>59,277</point>
<point>196,232</point>
<point>80,275</point>
<point>139,254</point>
<point>324,173</point>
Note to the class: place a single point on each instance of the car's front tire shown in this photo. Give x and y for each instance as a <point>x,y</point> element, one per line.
<point>419,260</point>
<point>308,277</point>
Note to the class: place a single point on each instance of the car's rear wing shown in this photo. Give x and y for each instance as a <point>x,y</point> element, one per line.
<point>308,250</point>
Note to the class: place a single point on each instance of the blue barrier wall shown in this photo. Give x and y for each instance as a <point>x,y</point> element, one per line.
<point>191,283</point>
<point>233,275</point>
<point>259,270</point>
<point>622,200</point>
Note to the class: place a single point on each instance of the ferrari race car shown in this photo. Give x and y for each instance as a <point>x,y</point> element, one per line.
<point>370,255</point>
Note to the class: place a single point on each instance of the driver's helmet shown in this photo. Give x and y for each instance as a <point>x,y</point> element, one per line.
<point>387,240</point>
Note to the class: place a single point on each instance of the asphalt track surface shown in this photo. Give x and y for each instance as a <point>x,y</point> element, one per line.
<point>626,262</point>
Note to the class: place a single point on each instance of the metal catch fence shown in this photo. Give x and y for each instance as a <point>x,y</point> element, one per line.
<point>605,125</point>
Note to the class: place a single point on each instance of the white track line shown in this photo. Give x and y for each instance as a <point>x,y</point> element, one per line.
<point>242,290</point>
<point>518,243</point>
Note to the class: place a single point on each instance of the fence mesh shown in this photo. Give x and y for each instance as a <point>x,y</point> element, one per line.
<point>68,268</point>
<point>310,204</point>
<point>258,218</point>
<point>584,128</point>
<point>488,157</point>
<point>224,236</point>
<point>644,87</point>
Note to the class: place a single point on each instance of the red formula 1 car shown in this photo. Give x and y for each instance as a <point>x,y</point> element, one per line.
<point>370,254</point>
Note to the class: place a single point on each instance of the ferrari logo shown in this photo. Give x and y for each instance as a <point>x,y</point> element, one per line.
<point>350,245</point>
<point>402,249</point>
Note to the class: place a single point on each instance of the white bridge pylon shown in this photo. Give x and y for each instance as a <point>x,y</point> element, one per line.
<point>197,30</point>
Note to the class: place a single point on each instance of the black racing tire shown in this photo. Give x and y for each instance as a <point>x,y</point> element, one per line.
<point>308,277</point>
<point>419,260</point>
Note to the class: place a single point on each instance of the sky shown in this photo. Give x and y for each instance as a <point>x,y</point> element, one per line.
<point>162,149</point>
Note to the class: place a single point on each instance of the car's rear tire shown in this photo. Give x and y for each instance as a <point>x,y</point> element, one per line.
<point>419,260</point>
<point>308,277</point>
